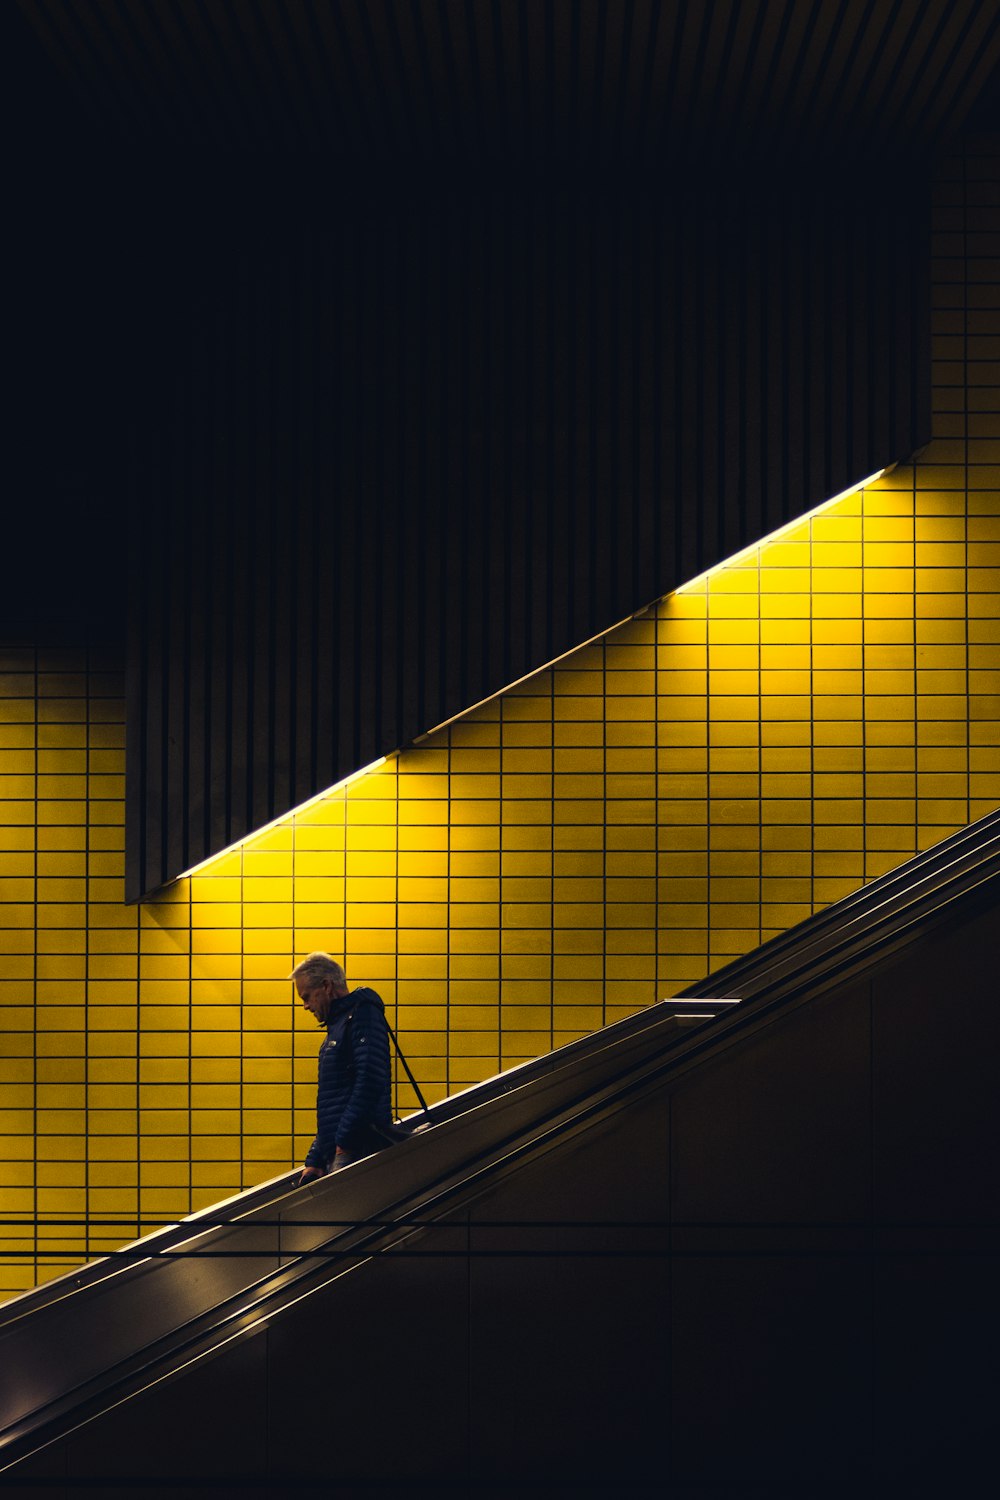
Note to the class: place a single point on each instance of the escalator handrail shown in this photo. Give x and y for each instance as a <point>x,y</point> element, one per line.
<point>246,1206</point>
<point>900,919</point>
<point>354,1235</point>
<point>822,941</point>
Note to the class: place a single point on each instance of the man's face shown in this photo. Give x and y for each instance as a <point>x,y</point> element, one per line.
<point>316,995</point>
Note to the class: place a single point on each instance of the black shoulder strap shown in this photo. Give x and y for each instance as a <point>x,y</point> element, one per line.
<point>395,1042</point>
<point>416,1086</point>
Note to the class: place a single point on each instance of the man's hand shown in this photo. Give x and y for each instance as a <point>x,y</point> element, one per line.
<point>309,1174</point>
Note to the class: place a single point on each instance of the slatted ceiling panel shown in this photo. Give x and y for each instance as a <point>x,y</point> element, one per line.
<point>816,86</point>
<point>720,33</point>
<point>484,83</point>
<point>924,106</point>
<point>796,66</point>
<point>940,108</point>
<point>810,83</point>
<point>303,64</point>
<point>503,426</point>
<point>450,445</point>
<point>895,68</point>
<point>862,37</point>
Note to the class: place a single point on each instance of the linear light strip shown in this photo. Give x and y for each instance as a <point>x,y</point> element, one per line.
<point>283,818</point>
<point>693,583</point>
<point>727,562</point>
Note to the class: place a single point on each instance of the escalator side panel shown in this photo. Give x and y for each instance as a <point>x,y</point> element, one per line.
<point>776,1257</point>
<point>106,1324</point>
<point>757,1347</point>
<point>204,1423</point>
<point>390,1391</point>
<point>737,1157</point>
<point>936,1044</point>
<point>591,1280</point>
<point>48,1355</point>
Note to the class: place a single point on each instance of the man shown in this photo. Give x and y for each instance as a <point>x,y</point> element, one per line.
<point>355,1077</point>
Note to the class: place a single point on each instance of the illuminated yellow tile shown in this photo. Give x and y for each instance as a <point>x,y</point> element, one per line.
<point>261,914</point>
<point>686,607</point>
<point>216,914</point>
<point>203,941</point>
<point>724,682</point>
<point>732,581</point>
<point>580,684</point>
<point>750,607</point>
<point>377,786</point>
<point>158,1017</point>
<point>518,708</point>
<point>542,734</point>
<point>675,658</point>
<point>151,967</point>
<point>515,761</point>
<point>473,731</point>
<point>320,837</point>
<point>744,631</point>
<point>784,580</point>
<point>639,631</point>
<point>213,889</point>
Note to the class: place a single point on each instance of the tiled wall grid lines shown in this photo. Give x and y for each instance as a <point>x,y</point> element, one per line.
<point>751,749</point>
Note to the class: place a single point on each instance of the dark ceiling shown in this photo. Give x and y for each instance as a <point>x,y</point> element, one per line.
<point>478,84</point>
<point>142,133</point>
<point>145,135</point>
<point>195,184</point>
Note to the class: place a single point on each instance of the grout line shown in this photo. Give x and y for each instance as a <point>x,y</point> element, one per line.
<point>86,964</point>
<point>965,455</point>
<point>242,1054</point>
<point>446,1040</point>
<point>552,858</point>
<point>34,1048</point>
<point>293,949</point>
<point>393,1055</point>
<point>760,747</point>
<point>190,1037</point>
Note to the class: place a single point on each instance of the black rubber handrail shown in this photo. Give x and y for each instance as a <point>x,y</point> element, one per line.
<point>874,921</point>
<point>822,943</point>
<point>524,1114</point>
<point>248,1203</point>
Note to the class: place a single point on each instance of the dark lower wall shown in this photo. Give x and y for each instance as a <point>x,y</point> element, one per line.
<point>779,1270</point>
<point>401,450</point>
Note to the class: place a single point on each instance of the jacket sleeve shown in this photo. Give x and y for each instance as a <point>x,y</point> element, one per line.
<point>372,1070</point>
<point>315,1157</point>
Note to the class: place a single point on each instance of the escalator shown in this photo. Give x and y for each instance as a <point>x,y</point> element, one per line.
<point>109,1329</point>
<point>109,1348</point>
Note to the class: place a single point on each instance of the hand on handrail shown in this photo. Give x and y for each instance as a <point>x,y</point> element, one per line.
<point>309,1174</point>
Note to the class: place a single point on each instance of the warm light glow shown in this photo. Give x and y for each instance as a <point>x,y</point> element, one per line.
<point>285,817</point>
<point>728,562</point>
<point>535,672</point>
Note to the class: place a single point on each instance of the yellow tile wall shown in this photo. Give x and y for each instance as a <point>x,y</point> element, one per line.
<point>746,752</point>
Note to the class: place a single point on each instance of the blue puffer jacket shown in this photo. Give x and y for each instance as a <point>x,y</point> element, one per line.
<point>355,1078</point>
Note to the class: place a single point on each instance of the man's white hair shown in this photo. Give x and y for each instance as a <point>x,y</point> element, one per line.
<point>316,967</point>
